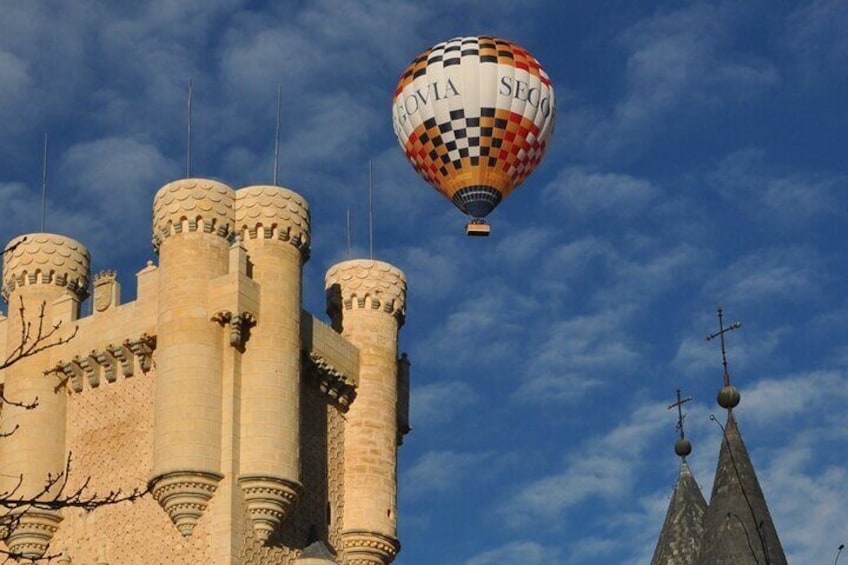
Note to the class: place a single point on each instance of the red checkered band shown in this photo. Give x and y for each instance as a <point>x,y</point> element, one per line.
<point>474,111</point>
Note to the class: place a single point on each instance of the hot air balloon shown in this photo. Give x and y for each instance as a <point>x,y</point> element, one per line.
<point>474,116</point>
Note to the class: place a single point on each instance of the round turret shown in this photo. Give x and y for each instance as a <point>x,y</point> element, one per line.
<point>683,447</point>
<point>46,259</point>
<point>192,205</point>
<point>362,283</point>
<point>728,397</point>
<point>367,302</point>
<point>273,212</point>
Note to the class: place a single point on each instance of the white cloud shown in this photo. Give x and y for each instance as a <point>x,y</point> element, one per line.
<point>816,39</point>
<point>680,57</point>
<point>517,553</point>
<point>582,192</point>
<point>437,403</point>
<point>695,357</point>
<point>15,80</point>
<point>603,467</point>
<point>441,471</point>
<point>481,330</point>
<point>748,182</point>
<point>574,354</point>
<point>785,273</point>
<point>770,400</point>
<point>807,502</point>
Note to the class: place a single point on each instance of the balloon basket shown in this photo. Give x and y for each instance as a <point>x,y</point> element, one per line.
<point>477,228</point>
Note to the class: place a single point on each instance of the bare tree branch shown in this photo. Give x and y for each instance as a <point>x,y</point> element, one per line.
<point>57,492</point>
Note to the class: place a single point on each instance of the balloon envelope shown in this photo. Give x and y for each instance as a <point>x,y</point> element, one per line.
<point>474,116</point>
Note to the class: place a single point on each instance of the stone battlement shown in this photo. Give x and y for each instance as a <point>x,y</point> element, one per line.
<point>45,258</point>
<point>213,388</point>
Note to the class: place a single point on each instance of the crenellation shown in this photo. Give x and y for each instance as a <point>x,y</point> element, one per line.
<point>256,426</point>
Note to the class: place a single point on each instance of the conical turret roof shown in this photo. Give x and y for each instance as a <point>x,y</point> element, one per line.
<point>680,538</point>
<point>738,529</point>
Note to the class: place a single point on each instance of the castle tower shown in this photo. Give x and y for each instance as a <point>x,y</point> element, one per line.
<point>680,539</point>
<point>366,302</point>
<point>193,221</point>
<point>45,277</point>
<point>273,225</point>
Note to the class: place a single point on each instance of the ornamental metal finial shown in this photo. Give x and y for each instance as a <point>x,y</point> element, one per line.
<point>720,334</point>
<point>680,416</point>
<point>682,447</point>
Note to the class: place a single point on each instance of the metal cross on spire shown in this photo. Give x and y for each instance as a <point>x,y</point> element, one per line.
<point>679,405</point>
<point>720,334</point>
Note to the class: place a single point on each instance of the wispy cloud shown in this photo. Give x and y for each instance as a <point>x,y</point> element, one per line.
<point>579,191</point>
<point>517,553</point>
<point>604,470</point>
<point>437,403</point>
<point>679,63</point>
<point>787,273</point>
<point>441,471</point>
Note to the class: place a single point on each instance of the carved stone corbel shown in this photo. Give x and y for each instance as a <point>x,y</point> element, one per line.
<point>124,356</point>
<point>143,348</point>
<point>239,326</point>
<point>108,362</point>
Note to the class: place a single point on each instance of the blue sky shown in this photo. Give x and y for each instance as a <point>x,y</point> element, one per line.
<point>698,159</point>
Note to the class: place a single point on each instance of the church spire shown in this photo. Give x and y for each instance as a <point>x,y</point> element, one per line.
<point>738,529</point>
<point>680,538</point>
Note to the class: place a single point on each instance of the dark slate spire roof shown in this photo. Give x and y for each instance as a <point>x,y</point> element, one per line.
<point>680,538</point>
<point>737,507</point>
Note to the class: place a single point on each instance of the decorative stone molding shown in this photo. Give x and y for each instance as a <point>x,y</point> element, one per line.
<point>107,291</point>
<point>32,532</point>
<point>338,387</point>
<point>269,501</point>
<point>239,325</point>
<point>88,368</point>
<point>46,258</point>
<point>361,547</point>
<point>363,283</point>
<point>192,205</point>
<point>273,212</point>
<point>184,496</point>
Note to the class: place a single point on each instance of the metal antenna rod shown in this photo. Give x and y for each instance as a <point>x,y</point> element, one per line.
<point>188,130</point>
<point>277,134</point>
<point>349,249</point>
<point>44,182</point>
<point>370,209</point>
<point>838,551</point>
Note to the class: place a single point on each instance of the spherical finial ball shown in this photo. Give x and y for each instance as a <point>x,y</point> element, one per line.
<point>728,397</point>
<point>683,447</point>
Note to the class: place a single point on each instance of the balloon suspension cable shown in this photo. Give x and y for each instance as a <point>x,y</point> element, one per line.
<point>277,134</point>
<point>680,415</point>
<point>720,334</point>
<point>371,209</point>
<point>188,129</point>
<point>44,183</point>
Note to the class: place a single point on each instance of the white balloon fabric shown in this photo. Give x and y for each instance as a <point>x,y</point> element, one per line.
<point>474,116</point>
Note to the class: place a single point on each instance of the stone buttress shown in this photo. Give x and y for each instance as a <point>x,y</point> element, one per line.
<point>366,303</point>
<point>45,277</point>
<point>192,224</point>
<point>273,226</point>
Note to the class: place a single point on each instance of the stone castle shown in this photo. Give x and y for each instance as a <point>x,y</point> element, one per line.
<point>263,435</point>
